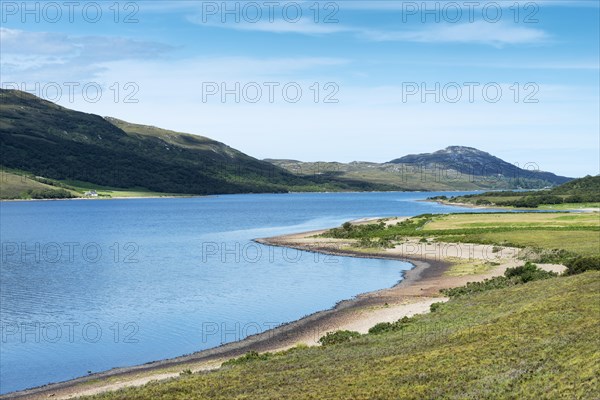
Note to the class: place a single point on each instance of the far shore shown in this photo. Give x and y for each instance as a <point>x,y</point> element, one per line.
<point>419,288</point>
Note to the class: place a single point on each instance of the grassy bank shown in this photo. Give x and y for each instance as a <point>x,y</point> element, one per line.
<point>19,185</point>
<point>537,340</point>
<point>507,337</point>
<point>545,236</point>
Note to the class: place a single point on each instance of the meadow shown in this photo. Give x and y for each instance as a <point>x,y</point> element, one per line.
<point>528,334</point>
<point>537,340</point>
<point>557,236</point>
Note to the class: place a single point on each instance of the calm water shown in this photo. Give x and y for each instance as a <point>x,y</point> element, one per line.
<point>92,285</point>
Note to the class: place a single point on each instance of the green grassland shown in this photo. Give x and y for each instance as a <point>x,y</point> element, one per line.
<point>569,206</point>
<point>16,184</point>
<point>563,235</point>
<point>13,186</point>
<point>512,220</point>
<point>532,341</point>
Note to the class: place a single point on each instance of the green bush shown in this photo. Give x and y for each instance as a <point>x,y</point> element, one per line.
<point>248,357</point>
<point>338,337</point>
<point>381,327</point>
<point>47,194</point>
<point>582,264</point>
<point>384,327</point>
<point>512,276</point>
<point>435,306</point>
<point>528,272</point>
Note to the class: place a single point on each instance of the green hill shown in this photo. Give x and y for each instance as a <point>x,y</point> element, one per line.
<point>44,139</point>
<point>537,340</point>
<point>41,139</point>
<point>578,193</point>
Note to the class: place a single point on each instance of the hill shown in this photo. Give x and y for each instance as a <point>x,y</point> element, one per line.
<point>43,139</point>
<point>79,151</point>
<point>454,168</point>
<point>578,193</point>
<point>474,162</point>
<point>530,341</point>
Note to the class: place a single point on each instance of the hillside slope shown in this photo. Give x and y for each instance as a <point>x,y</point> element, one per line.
<point>582,192</point>
<point>531,341</point>
<point>43,139</point>
<point>47,140</point>
<point>454,168</point>
<point>474,162</point>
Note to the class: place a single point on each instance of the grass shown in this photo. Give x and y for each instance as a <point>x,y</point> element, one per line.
<point>15,184</point>
<point>560,235</point>
<point>568,206</point>
<point>579,242</point>
<point>513,220</point>
<point>462,267</point>
<point>536,340</point>
<point>533,340</point>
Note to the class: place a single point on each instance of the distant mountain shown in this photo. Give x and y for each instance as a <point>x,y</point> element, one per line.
<point>477,163</point>
<point>44,139</point>
<point>454,168</point>
<point>68,149</point>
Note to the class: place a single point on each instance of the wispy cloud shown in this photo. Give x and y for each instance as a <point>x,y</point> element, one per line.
<point>386,5</point>
<point>477,32</point>
<point>53,54</point>
<point>15,41</point>
<point>305,26</point>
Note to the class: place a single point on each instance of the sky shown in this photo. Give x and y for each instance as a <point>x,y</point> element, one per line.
<point>326,80</point>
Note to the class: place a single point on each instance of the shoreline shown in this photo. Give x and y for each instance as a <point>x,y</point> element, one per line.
<point>413,294</point>
<point>186,196</point>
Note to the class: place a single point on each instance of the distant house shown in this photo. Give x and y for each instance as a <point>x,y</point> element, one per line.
<point>91,193</point>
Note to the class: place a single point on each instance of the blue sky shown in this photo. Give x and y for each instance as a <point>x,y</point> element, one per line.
<point>378,79</point>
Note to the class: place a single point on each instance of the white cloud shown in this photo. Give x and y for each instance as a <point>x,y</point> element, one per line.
<point>477,32</point>
<point>480,32</point>
<point>369,122</point>
<point>386,5</point>
<point>54,55</point>
<point>305,26</point>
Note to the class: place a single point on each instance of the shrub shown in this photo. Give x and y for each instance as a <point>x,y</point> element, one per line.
<point>381,327</point>
<point>338,337</point>
<point>384,327</point>
<point>512,276</point>
<point>366,243</point>
<point>582,264</point>
<point>435,306</point>
<point>248,357</point>
<point>528,272</point>
<point>47,194</point>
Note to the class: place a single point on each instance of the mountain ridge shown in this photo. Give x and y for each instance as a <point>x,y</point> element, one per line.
<point>47,140</point>
<point>469,160</point>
